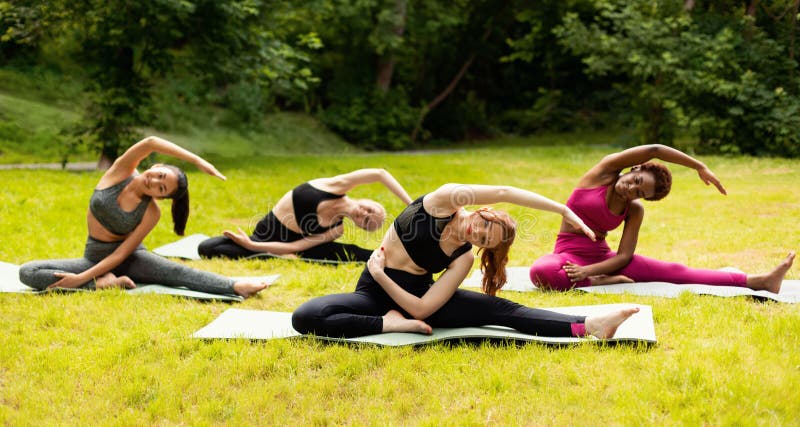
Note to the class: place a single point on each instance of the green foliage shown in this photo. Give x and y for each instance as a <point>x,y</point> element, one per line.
<point>127,47</point>
<point>373,120</point>
<point>728,84</point>
<point>20,31</point>
<point>718,73</point>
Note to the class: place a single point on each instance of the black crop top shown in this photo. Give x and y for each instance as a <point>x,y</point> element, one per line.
<point>420,232</point>
<point>305,199</point>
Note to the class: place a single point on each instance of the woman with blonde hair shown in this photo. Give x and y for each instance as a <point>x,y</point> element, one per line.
<point>308,219</point>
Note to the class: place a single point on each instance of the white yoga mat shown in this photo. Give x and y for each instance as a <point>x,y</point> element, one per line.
<point>9,282</point>
<point>519,280</point>
<point>186,248</point>
<point>264,325</point>
<point>9,279</point>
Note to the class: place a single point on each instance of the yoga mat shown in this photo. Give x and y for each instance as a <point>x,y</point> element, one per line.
<point>9,282</point>
<point>264,325</point>
<point>186,248</point>
<point>9,279</point>
<point>519,280</point>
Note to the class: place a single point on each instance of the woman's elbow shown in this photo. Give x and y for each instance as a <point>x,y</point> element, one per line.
<point>625,258</point>
<point>420,313</point>
<point>656,149</point>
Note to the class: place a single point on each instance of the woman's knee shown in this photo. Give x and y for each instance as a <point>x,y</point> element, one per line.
<point>546,272</point>
<point>28,274</point>
<point>208,248</point>
<point>305,318</point>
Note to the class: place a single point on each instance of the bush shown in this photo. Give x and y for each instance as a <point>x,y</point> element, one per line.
<point>373,120</point>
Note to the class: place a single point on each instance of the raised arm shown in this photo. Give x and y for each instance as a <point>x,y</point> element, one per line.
<point>123,251</point>
<point>438,294</point>
<point>343,183</point>
<point>283,248</point>
<point>127,163</point>
<point>612,164</point>
<point>450,197</point>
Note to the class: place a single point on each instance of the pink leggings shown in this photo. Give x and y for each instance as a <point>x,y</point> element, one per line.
<point>582,251</point>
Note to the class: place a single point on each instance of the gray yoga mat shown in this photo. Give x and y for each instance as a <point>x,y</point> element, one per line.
<point>264,325</point>
<point>519,280</point>
<point>9,282</point>
<point>186,248</point>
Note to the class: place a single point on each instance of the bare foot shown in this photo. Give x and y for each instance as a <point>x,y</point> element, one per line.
<point>248,289</point>
<point>109,280</point>
<point>603,279</point>
<point>773,280</point>
<point>393,321</point>
<point>605,326</point>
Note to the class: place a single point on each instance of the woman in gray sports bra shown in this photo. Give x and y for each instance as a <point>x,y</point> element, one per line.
<point>121,214</point>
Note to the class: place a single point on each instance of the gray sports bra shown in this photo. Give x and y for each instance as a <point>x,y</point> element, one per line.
<point>105,208</point>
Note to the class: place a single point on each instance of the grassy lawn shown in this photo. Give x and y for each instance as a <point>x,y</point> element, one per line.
<point>114,359</point>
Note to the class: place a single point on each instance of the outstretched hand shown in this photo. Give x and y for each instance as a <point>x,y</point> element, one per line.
<point>708,177</point>
<point>578,223</point>
<point>208,168</point>
<point>239,237</point>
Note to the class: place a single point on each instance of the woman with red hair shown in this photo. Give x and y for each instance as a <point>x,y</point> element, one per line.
<point>397,293</point>
<point>604,199</point>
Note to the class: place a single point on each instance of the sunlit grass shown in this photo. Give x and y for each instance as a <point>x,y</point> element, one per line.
<point>111,358</point>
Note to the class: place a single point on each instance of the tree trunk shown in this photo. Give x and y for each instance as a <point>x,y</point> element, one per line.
<point>751,8</point>
<point>688,5</point>
<point>793,31</point>
<point>386,63</point>
<point>447,90</point>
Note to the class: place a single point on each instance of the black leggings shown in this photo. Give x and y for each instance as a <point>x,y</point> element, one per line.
<point>360,313</point>
<point>224,247</point>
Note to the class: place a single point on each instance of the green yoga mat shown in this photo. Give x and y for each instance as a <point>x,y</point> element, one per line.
<point>186,248</point>
<point>9,283</point>
<point>264,325</point>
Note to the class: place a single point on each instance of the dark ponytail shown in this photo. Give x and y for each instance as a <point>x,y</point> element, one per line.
<point>180,201</point>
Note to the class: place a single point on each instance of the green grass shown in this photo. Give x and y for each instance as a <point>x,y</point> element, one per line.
<point>31,132</point>
<point>113,359</point>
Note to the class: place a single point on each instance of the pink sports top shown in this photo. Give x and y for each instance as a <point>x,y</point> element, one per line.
<point>590,205</point>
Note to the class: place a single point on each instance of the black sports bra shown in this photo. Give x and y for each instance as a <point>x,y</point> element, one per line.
<point>305,199</point>
<point>420,232</point>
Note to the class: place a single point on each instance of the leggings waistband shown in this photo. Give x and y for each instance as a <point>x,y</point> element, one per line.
<point>96,250</point>
<point>416,284</point>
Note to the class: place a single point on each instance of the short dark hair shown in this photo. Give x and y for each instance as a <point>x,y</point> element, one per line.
<point>662,177</point>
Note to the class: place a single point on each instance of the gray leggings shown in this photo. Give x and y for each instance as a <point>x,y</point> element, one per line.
<point>141,266</point>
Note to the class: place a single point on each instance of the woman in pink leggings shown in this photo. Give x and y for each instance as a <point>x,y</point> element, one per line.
<point>604,199</point>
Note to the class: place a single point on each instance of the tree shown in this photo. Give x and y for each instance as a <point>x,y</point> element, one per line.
<point>126,46</point>
<point>707,72</point>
